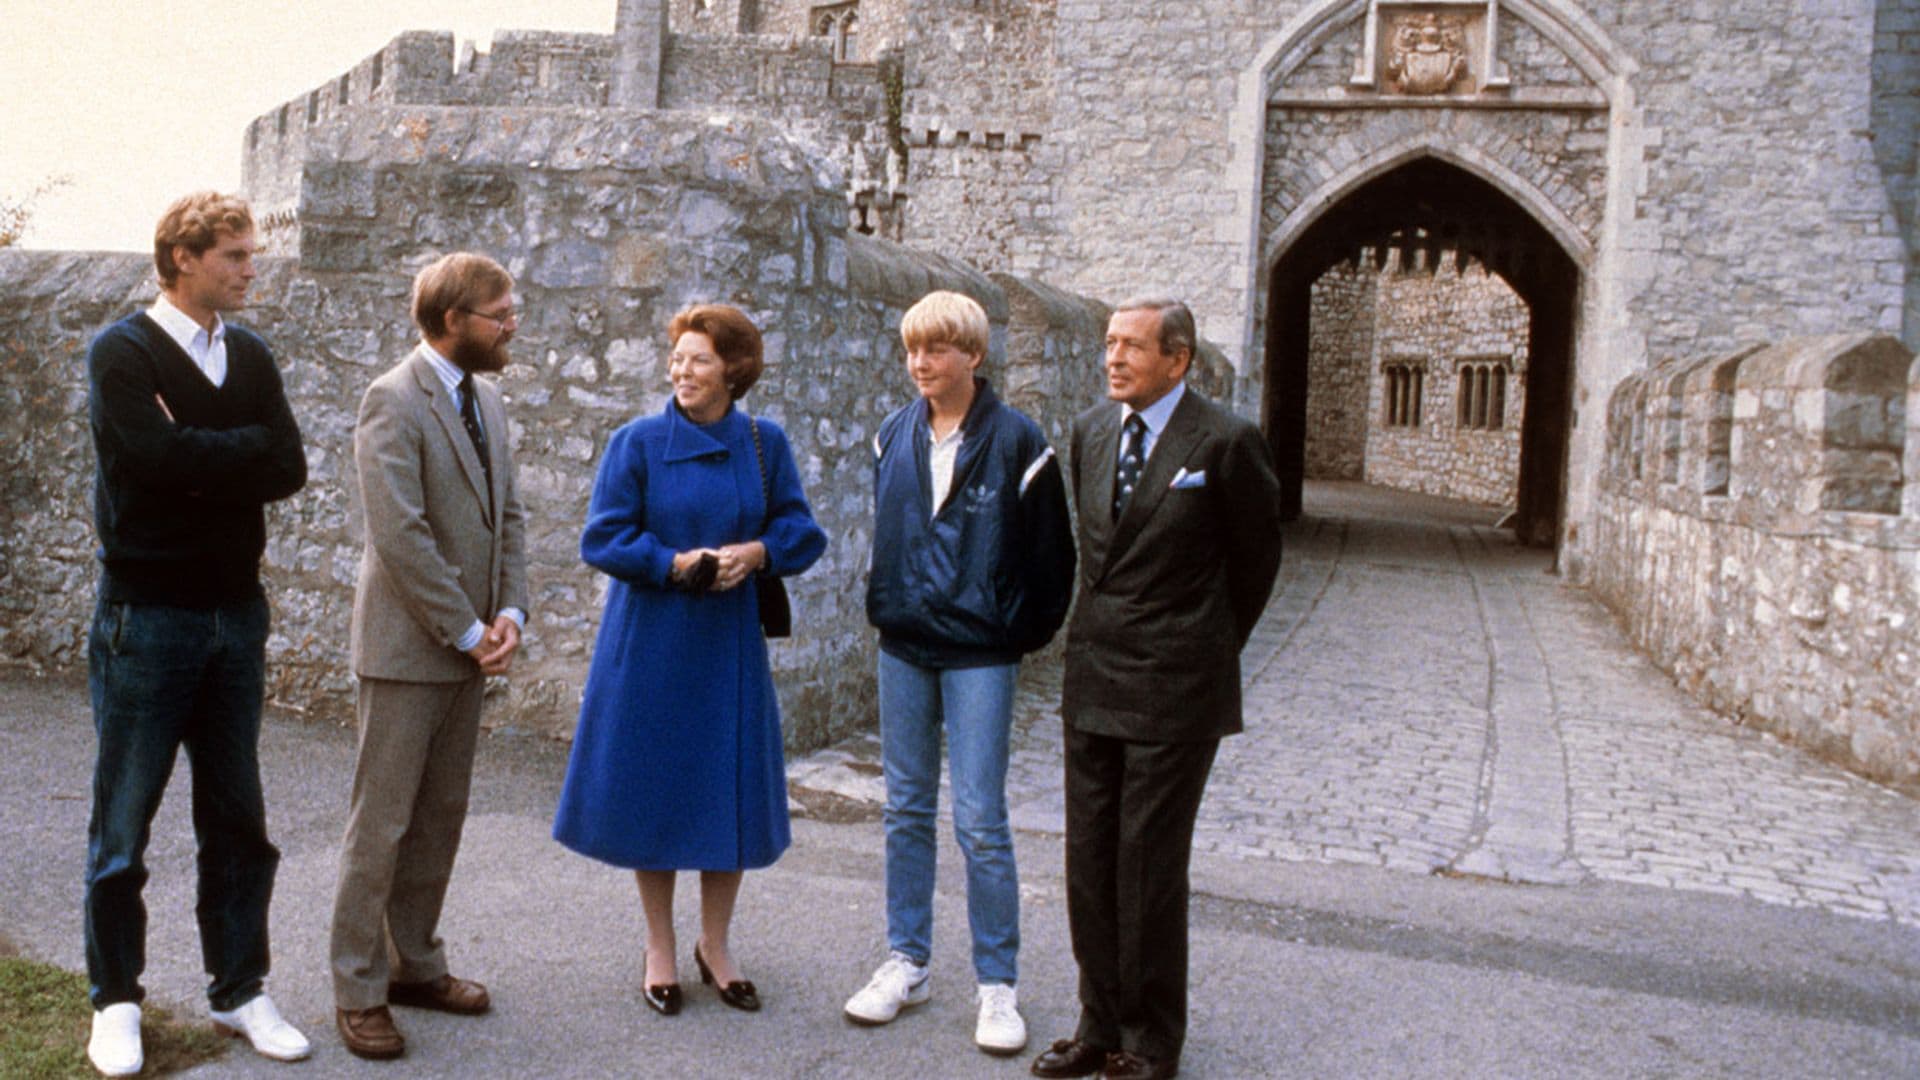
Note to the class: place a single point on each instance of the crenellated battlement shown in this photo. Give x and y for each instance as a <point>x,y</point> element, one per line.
<point>1812,436</point>
<point>1758,532</point>
<point>840,105</point>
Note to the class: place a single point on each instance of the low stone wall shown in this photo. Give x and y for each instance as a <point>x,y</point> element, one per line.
<point>605,247</point>
<point>1758,533</point>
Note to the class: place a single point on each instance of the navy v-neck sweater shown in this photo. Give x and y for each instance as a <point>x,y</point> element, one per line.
<point>179,504</point>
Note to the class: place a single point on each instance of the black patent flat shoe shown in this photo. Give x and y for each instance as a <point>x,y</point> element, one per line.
<point>739,993</point>
<point>664,999</point>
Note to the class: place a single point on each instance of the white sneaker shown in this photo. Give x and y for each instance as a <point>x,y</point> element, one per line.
<point>114,1048</point>
<point>1000,1029</point>
<point>260,1024</point>
<point>897,984</point>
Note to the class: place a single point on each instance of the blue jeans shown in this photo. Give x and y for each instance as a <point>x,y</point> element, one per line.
<point>975,707</point>
<point>162,678</point>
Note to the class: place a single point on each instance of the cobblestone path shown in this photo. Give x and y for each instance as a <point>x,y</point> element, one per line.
<point>1423,695</point>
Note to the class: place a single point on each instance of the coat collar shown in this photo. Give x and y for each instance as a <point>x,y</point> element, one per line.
<point>687,440</point>
<point>983,405</point>
<point>983,402</point>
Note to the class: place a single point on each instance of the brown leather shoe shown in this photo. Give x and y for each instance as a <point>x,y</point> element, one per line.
<point>445,994</point>
<point>1125,1065</point>
<point>369,1033</point>
<point>1069,1057</point>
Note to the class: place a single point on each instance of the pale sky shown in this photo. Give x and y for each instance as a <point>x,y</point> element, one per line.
<point>141,101</point>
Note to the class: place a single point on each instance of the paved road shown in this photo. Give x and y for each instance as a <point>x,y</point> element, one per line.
<point>1422,695</point>
<point>1408,692</point>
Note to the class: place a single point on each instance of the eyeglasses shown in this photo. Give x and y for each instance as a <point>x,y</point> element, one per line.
<point>510,318</point>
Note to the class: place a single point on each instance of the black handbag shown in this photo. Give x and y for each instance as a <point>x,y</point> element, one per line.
<point>776,611</point>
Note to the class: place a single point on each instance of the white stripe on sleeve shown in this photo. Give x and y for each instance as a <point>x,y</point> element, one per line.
<point>1033,470</point>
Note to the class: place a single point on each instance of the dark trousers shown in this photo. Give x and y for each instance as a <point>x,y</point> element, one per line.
<point>1130,812</point>
<point>163,678</point>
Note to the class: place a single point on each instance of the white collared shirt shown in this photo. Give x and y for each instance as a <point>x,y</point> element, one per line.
<point>1155,416</point>
<point>450,375</point>
<point>207,349</point>
<point>940,462</point>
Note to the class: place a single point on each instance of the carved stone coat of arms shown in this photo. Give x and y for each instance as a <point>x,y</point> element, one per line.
<point>1428,53</point>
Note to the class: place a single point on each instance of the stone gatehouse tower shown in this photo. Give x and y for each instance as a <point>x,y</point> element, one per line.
<point>1653,178</point>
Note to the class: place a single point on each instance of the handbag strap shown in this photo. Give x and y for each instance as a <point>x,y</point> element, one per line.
<point>766,494</point>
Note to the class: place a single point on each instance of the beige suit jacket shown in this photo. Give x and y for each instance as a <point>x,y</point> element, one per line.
<point>440,552</point>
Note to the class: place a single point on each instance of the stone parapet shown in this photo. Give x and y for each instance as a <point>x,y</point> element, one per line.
<point>1756,531</point>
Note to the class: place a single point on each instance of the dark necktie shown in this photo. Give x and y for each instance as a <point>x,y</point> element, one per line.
<point>1133,457</point>
<point>470,416</point>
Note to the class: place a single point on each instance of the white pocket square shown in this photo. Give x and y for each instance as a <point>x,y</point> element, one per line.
<point>1185,479</point>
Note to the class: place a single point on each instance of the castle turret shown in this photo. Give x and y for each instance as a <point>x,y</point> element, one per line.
<point>639,38</point>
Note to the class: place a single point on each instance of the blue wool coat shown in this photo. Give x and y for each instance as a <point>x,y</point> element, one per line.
<point>677,761</point>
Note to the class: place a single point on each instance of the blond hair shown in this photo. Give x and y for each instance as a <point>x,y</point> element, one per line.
<point>195,222</point>
<point>946,318</point>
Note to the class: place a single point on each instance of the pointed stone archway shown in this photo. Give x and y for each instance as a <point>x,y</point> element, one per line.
<point>1526,161</point>
<point>1432,205</point>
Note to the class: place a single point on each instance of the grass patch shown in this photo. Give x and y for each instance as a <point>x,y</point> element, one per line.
<point>45,1021</point>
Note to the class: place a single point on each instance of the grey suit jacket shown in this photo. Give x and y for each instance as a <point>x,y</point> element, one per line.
<point>440,552</point>
<point>1171,590</point>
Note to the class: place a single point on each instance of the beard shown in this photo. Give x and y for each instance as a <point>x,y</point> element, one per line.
<point>470,355</point>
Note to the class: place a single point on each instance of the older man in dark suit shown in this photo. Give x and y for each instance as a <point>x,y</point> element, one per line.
<point>1179,522</point>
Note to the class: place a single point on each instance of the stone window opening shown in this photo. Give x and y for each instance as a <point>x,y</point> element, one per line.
<point>379,69</point>
<point>1404,390</point>
<point>840,24</point>
<point>1481,401</point>
<point>345,86</point>
<point>313,108</point>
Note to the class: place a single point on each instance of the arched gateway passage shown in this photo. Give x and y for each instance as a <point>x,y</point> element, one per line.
<point>1436,206</point>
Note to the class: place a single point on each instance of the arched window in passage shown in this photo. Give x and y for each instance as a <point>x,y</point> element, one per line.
<point>838,22</point>
<point>1405,386</point>
<point>1480,397</point>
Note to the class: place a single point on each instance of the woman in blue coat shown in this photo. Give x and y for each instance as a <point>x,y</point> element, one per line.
<point>677,761</point>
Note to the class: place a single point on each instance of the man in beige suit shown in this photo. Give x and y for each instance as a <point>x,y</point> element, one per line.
<point>439,606</point>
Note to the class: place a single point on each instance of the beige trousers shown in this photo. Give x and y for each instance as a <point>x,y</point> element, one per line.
<point>410,788</point>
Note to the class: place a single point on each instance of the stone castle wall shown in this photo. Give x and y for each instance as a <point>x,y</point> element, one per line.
<point>1709,168</point>
<point>838,107</point>
<point>1432,321</point>
<point>792,81</point>
<point>627,218</point>
<point>880,24</point>
<point>1758,533</point>
<point>1340,368</point>
<point>1114,147</point>
<point>983,161</point>
<point>1443,320</point>
<point>1896,125</point>
<point>418,68</point>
